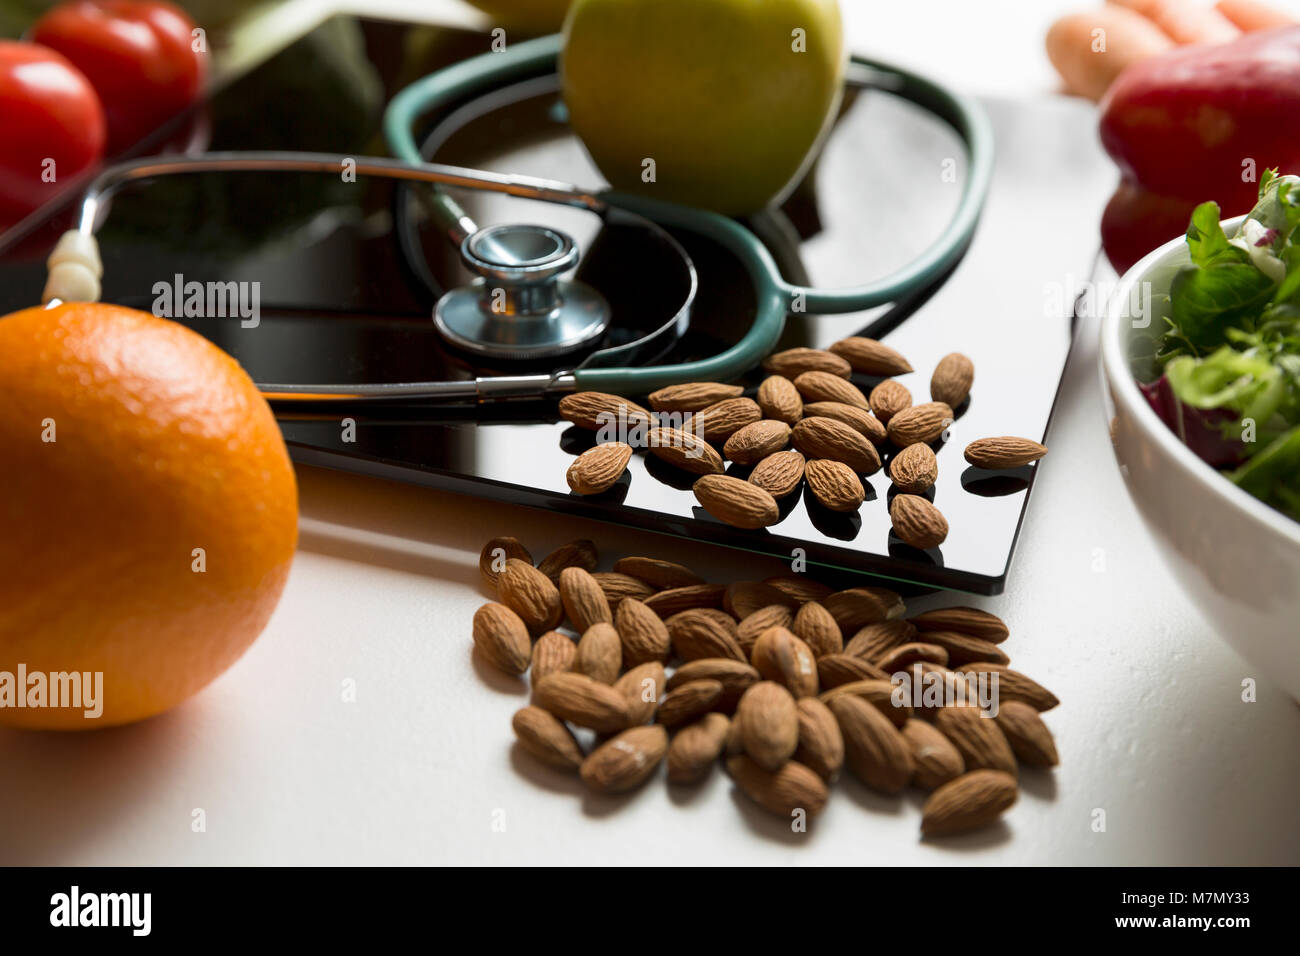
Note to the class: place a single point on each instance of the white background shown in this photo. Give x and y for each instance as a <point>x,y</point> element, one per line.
<point>1151,729</point>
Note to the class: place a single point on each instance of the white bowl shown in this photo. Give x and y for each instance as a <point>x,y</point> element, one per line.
<point>1237,558</point>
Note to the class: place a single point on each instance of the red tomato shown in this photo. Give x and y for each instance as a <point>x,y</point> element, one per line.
<point>52,123</point>
<point>138,54</point>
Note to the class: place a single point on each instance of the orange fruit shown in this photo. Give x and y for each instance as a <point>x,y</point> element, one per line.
<point>148,511</point>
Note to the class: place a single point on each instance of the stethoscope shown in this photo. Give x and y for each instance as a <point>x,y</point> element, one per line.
<point>521,305</point>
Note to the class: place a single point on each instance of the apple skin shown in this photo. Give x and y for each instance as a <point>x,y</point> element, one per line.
<point>711,90</point>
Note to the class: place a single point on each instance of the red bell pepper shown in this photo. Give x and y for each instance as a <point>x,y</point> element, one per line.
<point>1198,123</point>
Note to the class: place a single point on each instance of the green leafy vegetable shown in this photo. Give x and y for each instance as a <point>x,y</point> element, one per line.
<point>1231,349</point>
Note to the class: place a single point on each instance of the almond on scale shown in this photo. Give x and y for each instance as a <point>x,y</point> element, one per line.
<point>598,469</point>
<point>736,502</point>
<point>952,379</point>
<point>1004,452</point>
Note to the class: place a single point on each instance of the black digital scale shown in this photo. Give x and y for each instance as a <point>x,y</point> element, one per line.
<point>341,301</point>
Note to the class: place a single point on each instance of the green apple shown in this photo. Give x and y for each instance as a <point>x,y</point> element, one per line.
<point>531,16</point>
<point>714,103</point>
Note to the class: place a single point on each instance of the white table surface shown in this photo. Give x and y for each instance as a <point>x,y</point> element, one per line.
<point>421,768</point>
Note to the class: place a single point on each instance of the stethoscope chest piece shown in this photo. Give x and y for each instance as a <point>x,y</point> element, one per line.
<point>520,307</point>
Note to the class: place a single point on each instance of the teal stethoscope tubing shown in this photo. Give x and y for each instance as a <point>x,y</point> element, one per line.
<point>774,295</point>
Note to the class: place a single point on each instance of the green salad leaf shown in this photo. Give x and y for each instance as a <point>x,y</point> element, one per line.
<point>1230,353</point>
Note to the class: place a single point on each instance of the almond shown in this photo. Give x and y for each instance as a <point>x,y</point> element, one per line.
<point>878,693</point>
<point>697,634</point>
<point>888,399</point>
<point>904,654</point>
<point>821,745</point>
<point>834,485</point>
<point>859,419</point>
<point>735,676</point>
<point>669,602</point>
<point>595,410</point>
<point>582,701</point>
<point>554,653</point>
<point>1013,685</point>
<point>779,474</point>
<point>692,396</point>
<point>720,421</point>
<point>530,594</point>
<point>575,554</point>
<point>920,423</point>
<point>547,739</point>
<point>873,747</point>
<point>774,615</point>
<point>619,586</point>
<point>871,357</point>
<point>780,656</point>
<point>914,469</point>
<point>598,469</point>
<point>626,761</point>
<point>970,801</point>
<point>643,633</point>
<point>917,522</point>
<point>937,760</point>
<point>794,362</point>
<point>688,701</point>
<point>1028,736</point>
<point>952,379</point>
<point>834,440</point>
<point>658,573</point>
<point>1004,452</point>
<point>600,653</point>
<point>584,601</point>
<point>871,642</point>
<point>857,607</point>
<point>502,638</point>
<point>736,502</point>
<point>835,670</point>
<point>641,688</point>
<point>800,589</point>
<point>966,620</point>
<point>769,724</point>
<point>685,450</point>
<point>816,627</point>
<point>825,387</point>
<point>695,747</point>
<point>492,559</point>
<point>964,649</point>
<point>977,738</point>
<point>779,399</point>
<point>786,791</point>
<point>743,598</point>
<point>755,442</point>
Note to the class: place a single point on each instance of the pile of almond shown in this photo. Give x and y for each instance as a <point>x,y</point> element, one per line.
<point>808,422</point>
<point>785,679</point>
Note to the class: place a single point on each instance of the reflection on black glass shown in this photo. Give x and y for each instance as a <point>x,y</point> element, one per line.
<point>699,514</point>
<point>996,484</point>
<point>614,495</point>
<point>575,440</point>
<point>833,524</point>
<point>670,475</point>
<point>905,552</point>
<point>894,491</point>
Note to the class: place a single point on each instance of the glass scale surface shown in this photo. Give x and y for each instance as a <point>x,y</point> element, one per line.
<point>341,303</point>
